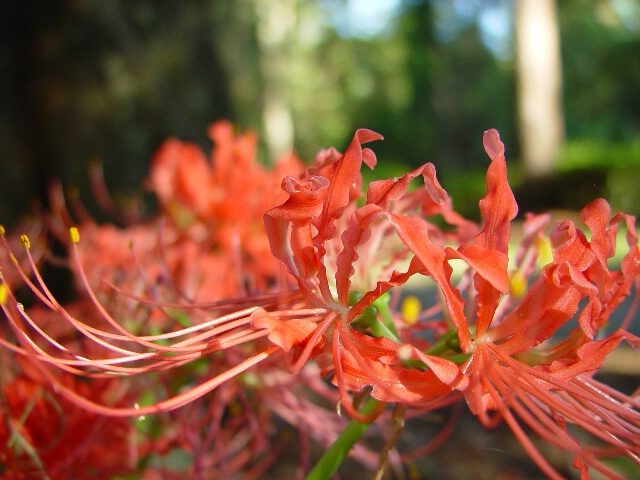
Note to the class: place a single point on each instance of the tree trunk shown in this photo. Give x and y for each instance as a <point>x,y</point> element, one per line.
<point>276,26</point>
<point>539,77</point>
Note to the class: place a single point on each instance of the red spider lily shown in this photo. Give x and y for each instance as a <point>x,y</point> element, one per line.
<point>221,200</point>
<point>210,242</point>
<point>150,260</point>
<point>49,437</point>
<point>305,227</point>
<point>324,239</point>
<point>509,371</point>
<point>191,189</point>
<point>84,339</point>
<point>347,254</point>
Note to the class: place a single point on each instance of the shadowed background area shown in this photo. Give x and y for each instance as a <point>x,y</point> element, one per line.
<point>109,81</point>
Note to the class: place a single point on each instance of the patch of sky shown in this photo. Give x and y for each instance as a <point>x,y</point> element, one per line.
<point>629,13</point>
<point>494,19</point>
<point>364,19</point>
<point>368,19</point>
<point>496,28</point>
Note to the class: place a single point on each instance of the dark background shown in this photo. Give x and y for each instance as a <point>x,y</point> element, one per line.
<point>110,80</point>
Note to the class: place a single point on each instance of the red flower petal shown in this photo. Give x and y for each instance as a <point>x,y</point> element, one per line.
<point>284,334</point>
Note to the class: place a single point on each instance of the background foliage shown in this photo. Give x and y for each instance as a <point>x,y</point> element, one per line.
<point>108,81</point>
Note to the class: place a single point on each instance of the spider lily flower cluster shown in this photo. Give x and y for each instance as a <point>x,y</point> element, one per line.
<point>142,291</point>
<point>205,289</point>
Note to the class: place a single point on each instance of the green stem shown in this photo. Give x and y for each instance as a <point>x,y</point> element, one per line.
<point>332,458</point>
<point>449,341</point>
<point>382,304</point>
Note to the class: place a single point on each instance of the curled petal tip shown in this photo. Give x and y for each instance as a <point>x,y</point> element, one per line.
<point>365,135</point>
<point>492,144</point>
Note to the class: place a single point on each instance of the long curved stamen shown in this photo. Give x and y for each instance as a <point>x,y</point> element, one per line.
<point>541,410</point>
<point>50,302</point>
<point>519,433</point>
<point>601,389</point>
<point>103,312</point>
<point>7,294</point>
<point>165,405</point>
<point>475,383</point>
<point>615,427</point>
<point>577,390</point>
<point>45,295</point>
<point>185,351</point>
<point>36,353</point>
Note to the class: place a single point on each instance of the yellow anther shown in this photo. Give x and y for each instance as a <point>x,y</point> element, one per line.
<point>545,252</point>
<point>26,243</point>
<point>517,284</point>
<point>4,294</point>
<point>2,230</point>
<point>411,308</point>
<point>74,234</point>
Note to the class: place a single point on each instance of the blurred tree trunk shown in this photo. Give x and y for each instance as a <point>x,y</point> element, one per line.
<point>277,21</point>
<point>539,77</point>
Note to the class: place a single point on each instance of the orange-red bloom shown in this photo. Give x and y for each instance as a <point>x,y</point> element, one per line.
<point>324,239</point>
<point>219,201</point>
<point>517,347</point>
<point>513,369</point>
<point>345,258</point>
<point>140,285</point>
